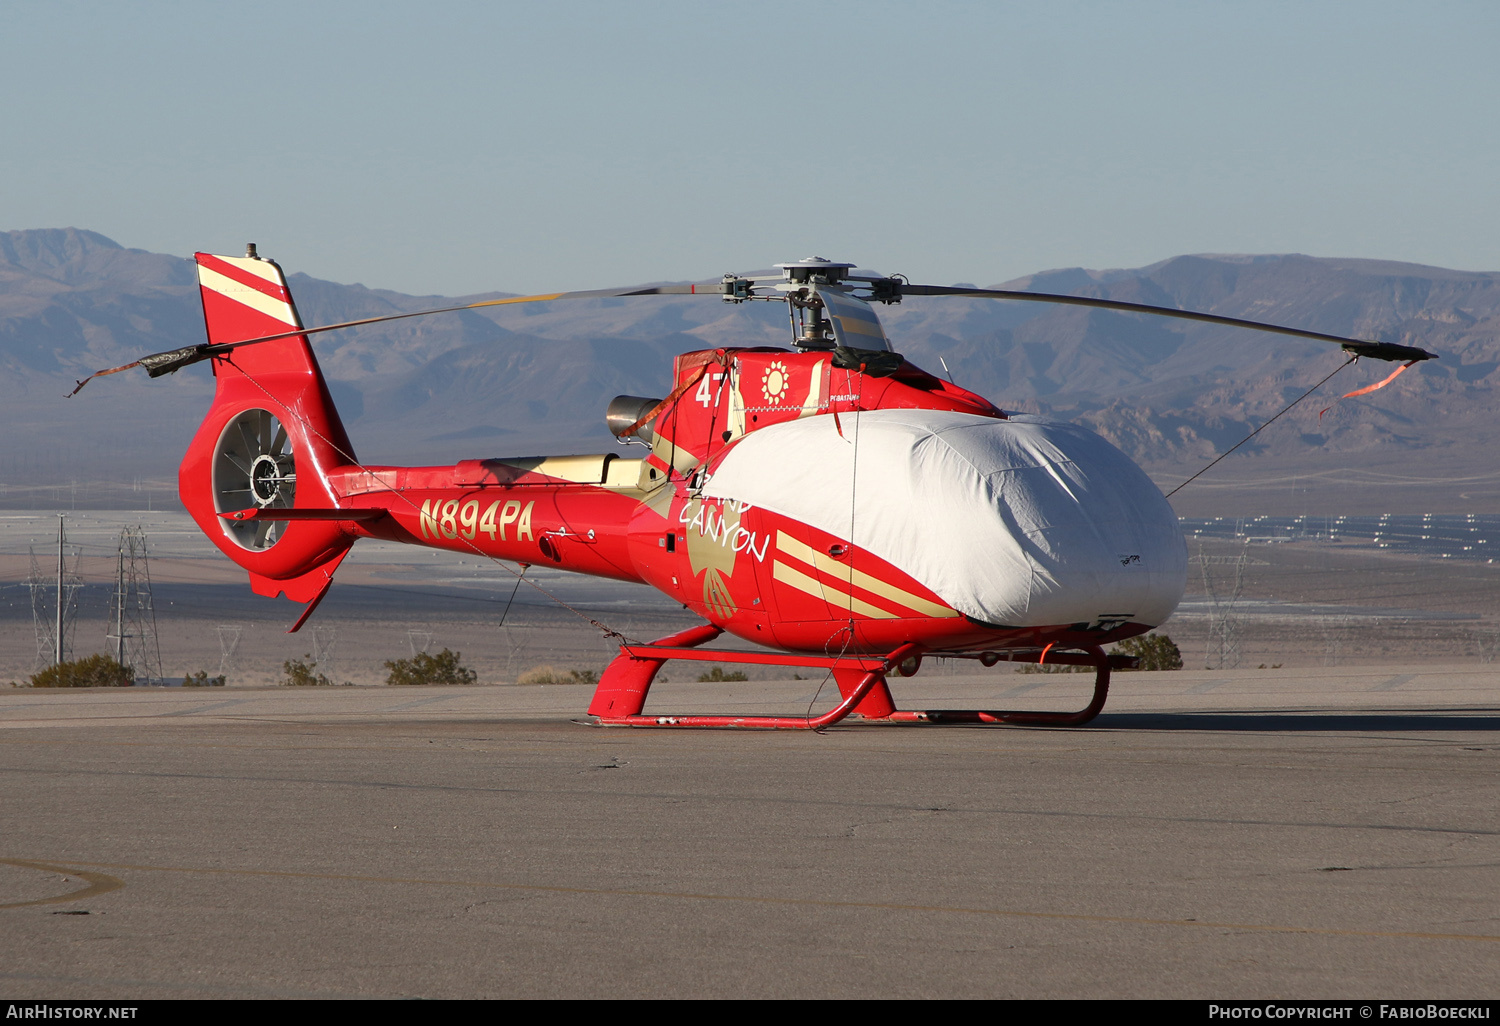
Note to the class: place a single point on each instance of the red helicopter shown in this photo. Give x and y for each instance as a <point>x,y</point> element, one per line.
<point>831,502</point>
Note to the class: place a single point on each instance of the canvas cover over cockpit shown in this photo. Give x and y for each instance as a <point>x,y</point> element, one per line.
<point>1020,522</point>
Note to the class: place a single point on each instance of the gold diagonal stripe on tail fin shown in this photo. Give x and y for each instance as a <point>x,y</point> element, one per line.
<point>251,297</point>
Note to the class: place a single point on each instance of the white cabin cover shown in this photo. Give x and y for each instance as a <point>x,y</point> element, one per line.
<point>1024,522</point>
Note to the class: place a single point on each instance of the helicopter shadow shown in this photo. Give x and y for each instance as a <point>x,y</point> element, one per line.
<point>1330,721</point>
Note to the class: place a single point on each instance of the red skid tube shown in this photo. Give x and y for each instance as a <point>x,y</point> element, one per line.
<point>623,688</point>
<point>874,675</point>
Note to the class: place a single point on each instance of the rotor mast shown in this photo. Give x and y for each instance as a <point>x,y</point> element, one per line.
<point>800,281</point>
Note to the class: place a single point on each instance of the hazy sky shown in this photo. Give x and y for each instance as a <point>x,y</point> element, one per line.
<point>455,148</point>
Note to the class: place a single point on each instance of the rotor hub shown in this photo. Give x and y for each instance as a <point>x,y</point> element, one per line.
<point>814,271</point>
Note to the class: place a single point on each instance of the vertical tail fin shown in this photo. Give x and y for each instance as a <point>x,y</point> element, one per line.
<point>270,436</point>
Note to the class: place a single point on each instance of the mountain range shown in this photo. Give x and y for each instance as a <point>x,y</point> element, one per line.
<point>536,378</point>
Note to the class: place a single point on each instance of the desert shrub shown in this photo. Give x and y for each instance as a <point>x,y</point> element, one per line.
<point>1155,651</point>
<point>443,668</point>
<point>1053,668</point>
<point>299,673</point>
<point>95,671</point>
<point>201,679</point>
<point>551,675</point>
<point>718,674</point>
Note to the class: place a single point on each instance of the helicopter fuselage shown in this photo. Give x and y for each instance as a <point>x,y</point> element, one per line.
<point>811,501</point>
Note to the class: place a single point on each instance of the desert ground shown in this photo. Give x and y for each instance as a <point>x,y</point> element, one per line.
<point>1322,827</point>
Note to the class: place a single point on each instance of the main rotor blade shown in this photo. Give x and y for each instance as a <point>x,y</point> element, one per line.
<point>170,362</point>
<point>702,288</point>
<point>1354,346</point>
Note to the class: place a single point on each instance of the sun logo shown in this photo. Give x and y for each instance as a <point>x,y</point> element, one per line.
<point>775,382</point>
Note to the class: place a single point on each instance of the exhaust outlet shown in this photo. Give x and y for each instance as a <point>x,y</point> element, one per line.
<point>625,410</point>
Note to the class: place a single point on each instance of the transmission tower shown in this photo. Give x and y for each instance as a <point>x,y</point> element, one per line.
<point>132,613</point>
<point>513,648</point>
<point>229,647</point>
<point>54,603</point>
<point>1488,642</point>
<point>324,639</point>
<point>1223,624</point>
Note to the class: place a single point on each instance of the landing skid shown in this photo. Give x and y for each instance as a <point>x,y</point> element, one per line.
<point>861,680</point>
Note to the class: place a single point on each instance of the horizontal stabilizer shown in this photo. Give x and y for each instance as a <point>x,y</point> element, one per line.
<point>304,514</point>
